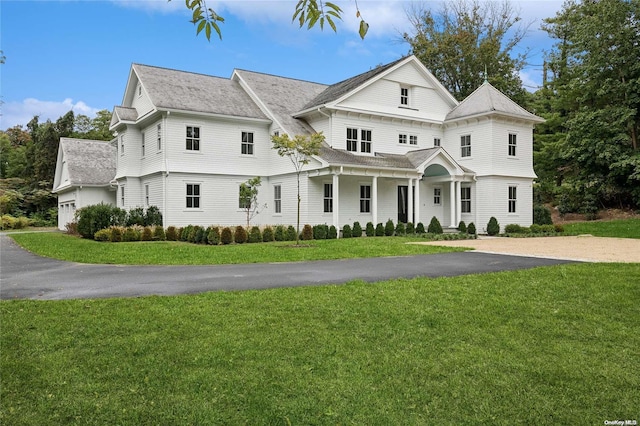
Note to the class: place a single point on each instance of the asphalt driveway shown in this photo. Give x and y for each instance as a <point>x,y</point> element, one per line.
<point>24,275</point>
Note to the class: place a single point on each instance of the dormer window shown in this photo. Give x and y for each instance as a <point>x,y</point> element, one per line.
<point>404,96</point>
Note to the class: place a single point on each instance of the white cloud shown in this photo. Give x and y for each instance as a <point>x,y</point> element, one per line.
<point>15,113</point>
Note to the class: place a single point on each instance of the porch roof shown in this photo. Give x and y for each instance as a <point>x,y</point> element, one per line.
<point>409,161</point>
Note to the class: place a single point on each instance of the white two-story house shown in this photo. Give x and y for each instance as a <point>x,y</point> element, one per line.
<point>397,146</point>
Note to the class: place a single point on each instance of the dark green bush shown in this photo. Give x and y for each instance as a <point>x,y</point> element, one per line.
<point>152,217</point>
<point>400,229</point>
<point>333,233</point>
<point>226,236</point>
<point>410,228</point>
<point>116,234</point>
<point>420,228</point>
<point>255,236</point>
<point>389,228</point>
<point>493,227</point>
<point>471,229</point>
<point>346,231</point>
<point>172,233</point>
<point>185,232</point>
<point>291,234</point>
<point>93,218</point>
<point>434,226</point>
<point>541,215</point>
<point>356,231</point>
<point>462,227</point>
<point>240,235</point>
<point>147,234</point>
<point>320,232</point>
<point>535,228</point>
<point>370,230</point>
<point>200,235</point>
<point>213,235</point>
<point>380,230</point>
<point>279,233</point>
<point>307,232</point>
<point>159,234</point>
<point>514,228</point>
<point>135,216</point>
<point>267,234</point>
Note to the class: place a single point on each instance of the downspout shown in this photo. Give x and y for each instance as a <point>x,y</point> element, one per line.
<point>166,170</point>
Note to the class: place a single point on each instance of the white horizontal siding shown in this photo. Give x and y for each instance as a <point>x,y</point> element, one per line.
<point>492,200</point>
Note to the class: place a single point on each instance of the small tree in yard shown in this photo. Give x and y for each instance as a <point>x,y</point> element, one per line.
<point>299,150</point>
<point>249,198</point>
<point>493,227</point>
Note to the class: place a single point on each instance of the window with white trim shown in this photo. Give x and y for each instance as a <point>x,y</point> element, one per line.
<point>437,196</point>
<point>404,96</point>
<point>193,196</point>
<point>328,198</point>
<point>365,198</point>
<point>436,141</point>
<point>144,148</point>
<point>365,141</point>
<point>277,198</point>
<point>146,195</point>
<point>465,199</point>
<point>352,139</point>
<point>413,140</point>
<point>513,140</point>
<point>122,196</point>
<point>513,197</point>
<point>121,144</point>
<point>247,143</point>
<point>465,146</point>
<point>193,138</point>
<point>159,136</point>
<point>402,138</point>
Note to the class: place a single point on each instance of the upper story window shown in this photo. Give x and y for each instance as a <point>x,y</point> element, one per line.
<point>146,195</point>
<point>247,143</point>
<point>512,144</point>
<point>365,141</point>
<point>513,197</point>
<point>413,140</point>
<point>465,146</point>
<point>402,139</point>
<point>277,198</point>
<point>404,96</point>
<point>193,138</point>
<point>159,137</point>
<point>436,141</point>
<point>121,144</point>
<point>328,197</point>
<point>352,139</point>
<point>193,195</point>
<point>144,148</point>
<point>122,196</point>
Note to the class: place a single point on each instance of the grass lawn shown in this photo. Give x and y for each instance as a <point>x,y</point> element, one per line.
<point>627,228</point>
<point>556,345</point>
<point>65,247</point>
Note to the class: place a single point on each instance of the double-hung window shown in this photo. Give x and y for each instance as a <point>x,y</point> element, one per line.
<point>277,198</point>
<point>436,141</point>
<point>437,196</point>
<point>365,198</point>
<point>413,140</point>
<point>465,199</point>
<point>193,138</point>
<point>512,144</point>
<point>193,195</point>
<point>404,96</point>
<point>146,195</point>
<point>365,141</point>
<point>247,143</point>
<point>121,144</point>
<point>328,197</point>
<point>352,139</point>
<point>465,146</point>
<point>144,148</point>
<point>122,196</point>
<point>513,196</point>
<point>159,137</point>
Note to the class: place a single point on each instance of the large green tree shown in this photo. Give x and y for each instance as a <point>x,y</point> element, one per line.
<point>595,87</point>
<point>467,41</point>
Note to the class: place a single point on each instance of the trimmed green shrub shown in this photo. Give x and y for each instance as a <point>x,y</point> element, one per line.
<point>172,233</point>
<point>380,230</point>
<point>135,216</point>
<point>400,229</point>
<point>389,228</point>
<point>535,228</point>
<point>420,228</point>
<point>116,234</point>
<point>267,234</point>
<point>290,235</point>
<point>541,215</point>
<point>493,227</point>
<point>471,229</point>
<point>462,227</point>
<point>279,233</point>
<point>370,230</point>
<point>152,217</point>
<point>159,234</point>
<point>320,232</point>
<point>103,235</point>
<point>434,226</point>
<point>213,235</point>
<point>333,233</point>
<point>131,234</point>
<point>514,228</point>
<point>147,234</point>
<point>307,232</point>
<point>93,218</point>
<point>240,235</point>
<point>226,236</point>
<point>200,235</point>
<point>410,228</point>
<point>255,236</point>
<point>356,231</point>
<point>346,231</point>
<point>185,232</point>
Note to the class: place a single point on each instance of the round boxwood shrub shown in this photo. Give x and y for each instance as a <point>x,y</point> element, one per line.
<point>420,228</point>
<point>389,228</point>
<point>333,233</point>
<point>514,228</point>
<point>462,227</point>
<point>471,229</point>
<point>356,231</point>
<point>200,235</point>
<point>279,233</point>
<point>159,234</point>
<point>172,233</point>
<point>255,236</point>
<point>240,235</point>
<point>307,232</point>
<point>400,229</point>
<point>213,235</point>
<point>226,235</point>
<point>320,232</point>
<point>147,234</point>
<point>346,231</point>
<point>267,234</point>
<point>434,226</point>
<point>493,227</point>
<point>130,234</point>
<point>291,233</point>
<point>410,229</point>
<point>370,230</point>
<point>380,230</point>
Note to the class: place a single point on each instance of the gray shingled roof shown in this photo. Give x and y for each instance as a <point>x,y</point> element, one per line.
<point>89,162</point>
<point>180,90</point>
<point>283,96</point>
<point>487,99</point>
<point>409,161</point>
<point>337,90</point>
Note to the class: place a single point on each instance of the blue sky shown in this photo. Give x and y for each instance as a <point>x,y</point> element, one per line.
<point>76,54</point>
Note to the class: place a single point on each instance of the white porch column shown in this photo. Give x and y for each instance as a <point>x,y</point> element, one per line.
<point>336,202</point>
<point>452,203</point>
<point>416,216</point>
<point>374,200</point>
<point>410,201</point>
<point>458,204</point>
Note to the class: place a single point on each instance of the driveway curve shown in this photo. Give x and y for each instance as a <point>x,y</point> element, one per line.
<point>24,275</point>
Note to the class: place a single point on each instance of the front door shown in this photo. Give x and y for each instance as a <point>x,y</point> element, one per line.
<point>403,203</point>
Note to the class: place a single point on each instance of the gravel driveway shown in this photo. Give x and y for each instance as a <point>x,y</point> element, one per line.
<point>585,248</point>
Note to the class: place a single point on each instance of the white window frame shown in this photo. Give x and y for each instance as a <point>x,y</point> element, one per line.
<point>513,144</point>
<point>365,201</point>
<point>352,139</point>
<point>365,144</point>
<point>327,198</point>
<point>159,136</point>
<point>193,139</point>
<point>465,199</point>
<point>146,195</point>
<point>437,196</point>
<point>247,143</point>
<point>513,199</point>
<point>413,140</point>
<point>193,197</point>
<point>404,96</point>
<point>402,138</point>
<point>122,196</point>
<point>277,199</point>
<point>437,142</point>
<point>143,146</point>
<point>465,146</point>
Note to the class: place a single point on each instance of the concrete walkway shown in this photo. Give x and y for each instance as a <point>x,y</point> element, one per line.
<point>24,275</point>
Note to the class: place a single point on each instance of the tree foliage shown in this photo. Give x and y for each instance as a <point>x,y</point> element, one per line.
<point>468,41</point>
<point>249,198</point>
